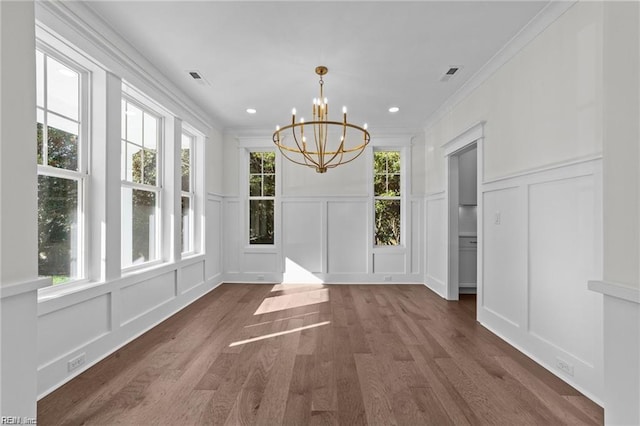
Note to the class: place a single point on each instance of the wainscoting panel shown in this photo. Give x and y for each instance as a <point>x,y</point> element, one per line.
<point>140,298</point>
<point>436,244</point>
<point>214,238</point>
<point>542,239</point>
<point>417,219</point>
<point>303,234</point>
<point>191,276</point>
<point>260,262</point>
<point>562,217</point>
<point>64,331</point>
<point>347,236</point>
<point>504,255</point>
<point>233,233</point>
<point>388,263</point>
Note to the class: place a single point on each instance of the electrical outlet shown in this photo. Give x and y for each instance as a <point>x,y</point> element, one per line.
<point>76,362</point>
<point>564,366</point>
<point>387,277</point>
<point>497,218</point>
<point>260,277</point>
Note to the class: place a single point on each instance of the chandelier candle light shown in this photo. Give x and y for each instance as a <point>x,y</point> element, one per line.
<point>326,151</point>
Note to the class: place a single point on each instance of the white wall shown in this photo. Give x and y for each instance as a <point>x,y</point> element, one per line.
<point>543,119</point>
<point>542,107</point>
<point>18,266</point>
<point>324,222</point>
<point>621,279</point>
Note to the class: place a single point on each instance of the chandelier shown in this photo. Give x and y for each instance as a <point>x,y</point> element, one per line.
<point>328,147</point>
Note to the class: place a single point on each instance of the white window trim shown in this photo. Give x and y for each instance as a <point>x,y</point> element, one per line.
<point>130,95</point>
<point>244,169</point>
<point>83,67</point>
<point>403,148</point>
<point>191,194</point>
<point>197,189</point>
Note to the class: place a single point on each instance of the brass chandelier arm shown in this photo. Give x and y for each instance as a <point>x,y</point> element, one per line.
<point>276,137</point>
<point>302,150</point>
<point>341,150</point>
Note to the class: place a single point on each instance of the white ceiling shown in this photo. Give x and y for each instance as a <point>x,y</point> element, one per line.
<point>263,54</point>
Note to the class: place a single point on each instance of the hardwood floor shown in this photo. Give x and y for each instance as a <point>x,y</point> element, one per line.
<point>313,354</point>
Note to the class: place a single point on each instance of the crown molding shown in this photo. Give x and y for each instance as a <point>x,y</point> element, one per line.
<point>379,132</point>
<point>117,55</point>
<point>549,14</point>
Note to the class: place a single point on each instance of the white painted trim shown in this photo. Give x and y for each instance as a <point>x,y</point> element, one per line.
<point>473,135</point>
<point>518,332</point>
<point>437,286</point>
<point>330,279</point>
<point>617,290</point>
<point>528,33</point>
<point>106,336</point>
<point>122,58</point>
<point>432,196</point>
<point>296,198</point>
<point>553,370</point>
<point>52,298</point>
<point>465,138</point>
<point>546,168</point>
<point>257,142</point>
<point>10,290</point>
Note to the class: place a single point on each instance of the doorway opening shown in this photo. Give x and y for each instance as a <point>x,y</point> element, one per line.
<point>464,214</point>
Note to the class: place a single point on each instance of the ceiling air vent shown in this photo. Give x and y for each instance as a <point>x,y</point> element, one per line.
<point>198,78</point>
<point>450,73</point>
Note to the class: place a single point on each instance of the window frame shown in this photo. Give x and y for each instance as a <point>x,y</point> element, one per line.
<point>191,194</point>
<point>404,170</point>
<point>129,95</point>
<point>246,158</point>
<point>82,175</point>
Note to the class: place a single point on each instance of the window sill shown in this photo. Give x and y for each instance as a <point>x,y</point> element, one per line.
<point>261,248</point>
<point>389,249</point>
<point>142,268</point>
<point>56,291</point>
<point>83,288</point>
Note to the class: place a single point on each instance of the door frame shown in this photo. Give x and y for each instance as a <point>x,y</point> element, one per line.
<point>451,149</point>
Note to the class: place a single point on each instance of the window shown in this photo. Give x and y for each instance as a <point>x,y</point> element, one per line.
<point>387,201</point>
<point>62,171</point>
<point>188,193</point>
<point>262,193</point>
<point>141,184</point>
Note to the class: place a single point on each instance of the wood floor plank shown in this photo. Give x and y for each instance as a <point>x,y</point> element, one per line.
<point>320,355</point>
<point>273,404</point>
<point>298,409</point>
<point>374,392</point>
<point>324,396</point>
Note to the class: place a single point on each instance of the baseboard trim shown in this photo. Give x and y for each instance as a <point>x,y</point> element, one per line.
<point>546,366</point>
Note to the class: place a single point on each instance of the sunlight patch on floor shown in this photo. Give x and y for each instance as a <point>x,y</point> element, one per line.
<point>282,319</point>
<point>280,333</point>
<point>295,300</point>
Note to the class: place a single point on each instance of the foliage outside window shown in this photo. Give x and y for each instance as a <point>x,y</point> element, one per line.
<point>188,193</point>
<point>262,192</point>
<point>61,173</point>
<point>140,185</point>
<point>386,185</point>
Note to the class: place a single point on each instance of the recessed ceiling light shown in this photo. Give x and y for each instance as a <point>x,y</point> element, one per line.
<point>394,109</point>
<point>251,110</point>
